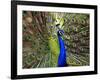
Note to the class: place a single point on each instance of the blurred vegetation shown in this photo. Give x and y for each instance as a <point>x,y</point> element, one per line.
<point>40,40</point>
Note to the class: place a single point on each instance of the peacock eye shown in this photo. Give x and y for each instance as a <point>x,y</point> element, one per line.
<point>60,33</point>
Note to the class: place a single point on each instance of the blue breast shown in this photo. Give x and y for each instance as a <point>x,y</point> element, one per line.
<point>62,55</point>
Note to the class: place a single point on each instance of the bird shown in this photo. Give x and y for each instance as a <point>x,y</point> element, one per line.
<point>62,55</point>
<point>55,39</point>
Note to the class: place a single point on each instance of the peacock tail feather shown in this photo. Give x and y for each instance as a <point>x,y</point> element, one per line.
<point>40,41</point>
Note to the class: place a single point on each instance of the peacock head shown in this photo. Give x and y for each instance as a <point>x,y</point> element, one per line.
<point>60,33</point>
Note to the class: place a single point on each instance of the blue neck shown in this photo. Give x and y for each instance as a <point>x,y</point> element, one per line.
<point>62,54</point>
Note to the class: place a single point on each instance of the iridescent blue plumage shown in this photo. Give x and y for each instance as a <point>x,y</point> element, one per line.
<point>62,55</point>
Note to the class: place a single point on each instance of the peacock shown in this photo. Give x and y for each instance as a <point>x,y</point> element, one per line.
<point>62,55</point>
<point>55,39</point>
